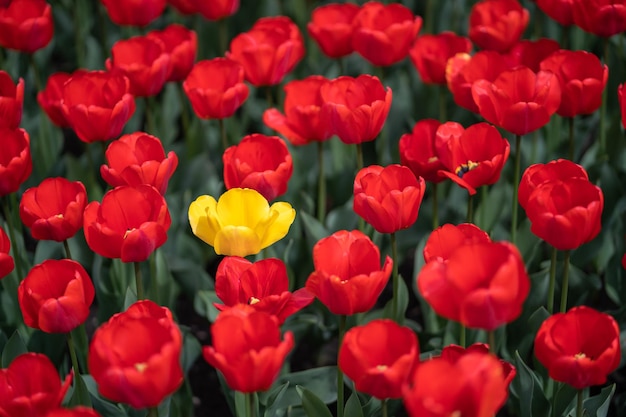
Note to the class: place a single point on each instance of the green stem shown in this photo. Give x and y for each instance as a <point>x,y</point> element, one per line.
<point>570,123</point>
<point>384,407</point>
<point>342,66</point>
<point>428,17</point>
<point>14,248</point>
<point>138,281</point>
<point>185,120</point>
<point>250,405</point>
<point>435,206</point>
<point>470,209</point>
<point>565,284</point>
<point>516,175</point>
<point>340,401</point>
<point>483,207</point>
<point>396,278</point>
<point>222,27</point>
<point>150,121</point>
<point>551,285</point>
<point>491,340</point>
<point>36,75</point>
<point>359,157</point>
<point>443,110</point>
<point>153,412</point>
<point>78,35</point>
<point>154,285</point>
<point>102,20</point>
<point>66,245</point>
<point>269,97</point>
<point>602,142</point>
<point>72,349</point>
<point>321,183</point>
<point>223,134</point>
<point>579,403</point>
<point>462,336</point>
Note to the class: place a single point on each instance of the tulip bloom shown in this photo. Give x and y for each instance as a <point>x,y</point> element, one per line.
<point>217,9</point>
<point>622,103</point>
<point>355,108</point>
<point>11,101</point>
<point>6,260</point>
<point>73,412</point>
<point>417,151</point>
<point>241,222</point>
<point>15,161</point>
<point>332,27</point>
<point>558,10</point>
<point>444,240</point>
<point>135,356</point>
<point>181,44</point>
<point>134,13</point>
<point>530,53</point>
<point>215,88</point>
<point>379,357</point>
<point>268,51</point>
<point>473,157</point>
<point>601,17</point>
<point>263,285</point>
<point>97,105</point>
<point>31,386</point>
<point>138,158</point>
<point>388,198</point>
<point>55,296</point>
<point>452,353</point>
<point>383,34</point>
<point>582,77</point>
<point>580,347</point>
<point>497,24</point>
<point>54,209</point>
<point>26,25</point>
<point>519,100</point>
<point>302,122</point>
<point>251,357</point>
<point>51,97</point>
<point>430,53</point>
<point>554,171</point>
<point>260,162</point>
<point>348,278</point>
<point>130,223</point>
<point>185,7</point>
<point>480,285</point>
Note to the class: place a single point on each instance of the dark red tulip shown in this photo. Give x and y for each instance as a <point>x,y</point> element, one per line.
<point>216,9</point>
<point>600,17</point>
<point>185,7</point>
<point>181,44</point>
<point>15,161</point>
<point>26,25</point>
<point>430,53</point>
<point>332,27</point>
<point>134,13</point>
<point>73,412</point>
<point>530,53</point>
<point>418,152</point>
<point>51,97</point>
<point>622,103</point>
<point>559,10</point>
<point>497,25</point>
<point>444,240</point>
<point>11,101</point>
<point>6,260</point>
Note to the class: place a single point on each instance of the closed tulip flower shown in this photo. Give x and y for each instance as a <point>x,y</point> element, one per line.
<point>53,210</point>
<point>55,296</point>
<point>444,240</point>
<point>15,161</point>
<point>559,10</point>
<point>388,198</point>
<point>31,386</point>
<point>26,25</point>
<point>51,97</point>
<point>216,88</point>
<point>348,277</point>
<point>6,260</point>
<point>430,53</point>
<point>135,356</point>
<point>138,158</point>
<point>97,105</point>
<point>601,17</point>
<point>181,44</point>
<point>134,13</point>
<point>241,222</point>
<point>332,26</point>
<point>217,9</point>
<point>417,151</point>
<point>379,357</point>
<point>256,346</point>
<point>530,53</point>
<point>497,24</point>
<point>260,162</point>
<point>452,353</point>
<point>11,101</point>
<point>580,347</point>
<point>185,7</point>
<point>130,223</point>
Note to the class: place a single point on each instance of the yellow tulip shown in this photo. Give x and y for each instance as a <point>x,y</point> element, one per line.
<point>241,222</point>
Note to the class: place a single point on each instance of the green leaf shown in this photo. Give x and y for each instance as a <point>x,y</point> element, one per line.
<point>191,349</point>
<point>528,389</point>
<point>320,381</point>
<point>563,398</point>
<point>80,393</point>
<point>272,398</point>
<point>14,347</point>
<point>353,406</point>
<point>203,304</point>
<point>313,228</point>
<point>313,406</point>
<point>598,405</point>
<point>403,303</point>
<point>104,407</point>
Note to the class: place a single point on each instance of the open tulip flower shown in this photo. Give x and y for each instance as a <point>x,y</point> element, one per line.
<point>11,101</point>
<point>181,44</point>
<point>26,25</point>
<point>497,24</point>
<point>452,353</point>
<point>135,13</point>
<point>417,151</point>
<point>601,17</point>
<point>430,53</point>
<point>6,260</point>
<point>241,222</point>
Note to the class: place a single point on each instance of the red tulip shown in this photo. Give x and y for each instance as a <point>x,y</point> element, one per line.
<point>73,412</point>
<point>130,223</point>
<point>144,60</point>
<point>55,296</point>
<point>379,357</point>
<point>6,260</point>
<point>530,53</point>
<point>181,44</point>
<point>26,25</point>
<point>268,51</point>
<point>15,161</point>
<point>580,347</point>
<point>348,278</point>
<point>135,12</point>
<point>264,285</point>
<point>332,27</point>
<point>138,158</point>
<point>481,285</point>
<point>51,97</point>
<point>430,53</point>
<point>383,34</point>
<point>622,103</point>
<point>444,240</point>
<point>97,105</point>
<point>11,101</point>
<point>600,17</point>
<point>251,357</point>
<point>582,77</point>
<point>135,356</point>
<point>31,387</point>
<point>497,24</point>
<point>355,108</point>
<point>217,9</point>
<point>53,210</point>
<point>260,162</point>
<point>388,198</point>
<point>559,10</point>
<point>452,353</point>
<point>519,100</point>
<point>417,151</point>
<point>185,7</point>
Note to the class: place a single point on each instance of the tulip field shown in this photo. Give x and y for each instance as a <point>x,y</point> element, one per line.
<point>300,208</point>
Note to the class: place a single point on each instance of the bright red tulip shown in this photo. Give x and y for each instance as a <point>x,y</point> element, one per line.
<point>73,412</point>
<point>519,100</point>
<point>181,44</point>
<point>417,151</point>
<point>332,27</point>
<point>260,162</point>
<point>256,346</point>
<point>559,10</point>
<point>430,53</point>
<point>497,25</point>
<point>384,33</point>
<point>217,9</point>
<point>388,198</point>
<point>97,105</point>
<point>138,158</point>
<point>622,103</point>
<point>444,240</point>
<point>580,347</point>
<point>379,357</point>
<point>130,223</point>
<point>11,101</point>
<point>51,97</point>
<point>26,25</point>
<point>55,296</point>
<point>600,17</point>
<point>135,356</point>
<point>134,12</point>
<point>530,53</point>
<point>53,210</point>
<point>355,108</point>
<point>348,278</point>
<point>31,387</point>
<point>15,161</point>
<point>452,353</point>
<point>6,260</point>
<point>264,285</point>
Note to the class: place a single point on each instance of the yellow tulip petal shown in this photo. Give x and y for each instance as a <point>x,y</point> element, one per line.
<point>242,207</point>
<point>237,241</point>
<point>281,217</point>
<point>203,218</point>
